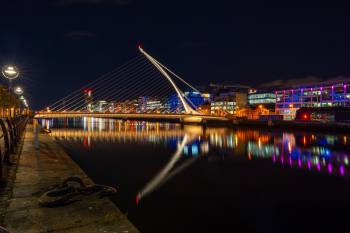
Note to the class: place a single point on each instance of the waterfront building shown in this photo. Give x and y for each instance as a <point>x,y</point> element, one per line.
<point>110,107</point>
<point>205,109</point>
<point>148,104</point>
<point>227,99</point>
<point>173,104</point>
<point>252,113</point>
<point>101,106</point>
<point>262,98</point>
<point>324,114</point>
<point>194,98</point>
<point>223,107</point>
<point>127,106</point>
<point>142,104</point>
<point>334,93</point>
<point>153,105</point>
<point>118,107</point>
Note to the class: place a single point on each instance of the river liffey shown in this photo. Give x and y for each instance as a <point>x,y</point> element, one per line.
<point>174,178</point>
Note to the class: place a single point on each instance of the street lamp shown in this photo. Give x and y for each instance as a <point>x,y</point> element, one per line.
<point>10,72</point>
<point>18,90</point>
<point>25,103</point>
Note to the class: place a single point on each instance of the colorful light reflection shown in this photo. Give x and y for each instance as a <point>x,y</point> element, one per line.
<point>315,152</point>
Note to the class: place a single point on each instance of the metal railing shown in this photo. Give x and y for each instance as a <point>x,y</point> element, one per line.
<point>12,130</point>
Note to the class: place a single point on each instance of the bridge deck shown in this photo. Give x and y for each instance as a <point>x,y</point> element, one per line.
<point>181,117</point>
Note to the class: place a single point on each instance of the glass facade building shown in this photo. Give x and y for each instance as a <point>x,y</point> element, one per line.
<point>326,94</point>
<point>261,98</point>
<point>265,99</point>
<point>223,107</point>
<point>195,99</point>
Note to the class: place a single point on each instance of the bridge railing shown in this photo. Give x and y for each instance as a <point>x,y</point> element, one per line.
<point>11,131</point>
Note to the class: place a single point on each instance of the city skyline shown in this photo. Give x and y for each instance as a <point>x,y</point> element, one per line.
<point>251,44</point>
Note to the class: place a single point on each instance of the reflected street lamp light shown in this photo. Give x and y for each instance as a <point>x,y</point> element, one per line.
<point>10,72</point>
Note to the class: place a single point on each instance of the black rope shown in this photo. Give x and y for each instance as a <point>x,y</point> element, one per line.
<point>70,190</point>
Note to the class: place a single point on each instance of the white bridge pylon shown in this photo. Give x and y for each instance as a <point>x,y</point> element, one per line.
<point>188,109</point>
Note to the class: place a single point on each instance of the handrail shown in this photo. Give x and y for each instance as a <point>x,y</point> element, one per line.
<point>12,131</point>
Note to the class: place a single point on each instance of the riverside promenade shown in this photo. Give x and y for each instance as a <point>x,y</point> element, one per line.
<point>41,168</point>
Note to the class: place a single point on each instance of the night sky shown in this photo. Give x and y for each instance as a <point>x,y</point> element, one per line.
<point>61,44</point>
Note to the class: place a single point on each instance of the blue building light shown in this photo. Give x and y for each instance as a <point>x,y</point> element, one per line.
<point>195,99</point>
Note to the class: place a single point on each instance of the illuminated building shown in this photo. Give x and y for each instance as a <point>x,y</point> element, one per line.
<point>173,104</point>
<point>197,98</point>
<point>101,106</point>
<point>334,93</point>
<point>148,104</point>
<point>252,113</point>
<point>266,99</point>
<point>128,106</point>
<point>228,103</point>
<point>224,107</point>
<point>205,109</point>
<point>153,105</point>
<point>142,104</point>
<point>323,114</point>
<point>110,107</point>
<point>226,99</point>
<point>194,98</point>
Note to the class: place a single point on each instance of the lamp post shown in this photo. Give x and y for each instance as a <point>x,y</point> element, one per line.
<point>10,72</point>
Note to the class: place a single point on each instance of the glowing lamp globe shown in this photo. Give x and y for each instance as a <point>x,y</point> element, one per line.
<point>10,72</point>
<point>18,90</point>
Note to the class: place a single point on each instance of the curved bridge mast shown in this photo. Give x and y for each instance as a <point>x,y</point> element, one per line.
<point>187,107</point>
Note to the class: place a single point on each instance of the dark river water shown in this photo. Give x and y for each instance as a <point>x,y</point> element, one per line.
<point>193,179</point>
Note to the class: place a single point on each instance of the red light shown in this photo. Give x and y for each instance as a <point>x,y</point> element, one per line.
<point>139,46</point>
<point>87,90</point>
<point>305,116</point>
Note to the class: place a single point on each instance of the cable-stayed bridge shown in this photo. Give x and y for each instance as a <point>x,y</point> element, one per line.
<point>142,88</point>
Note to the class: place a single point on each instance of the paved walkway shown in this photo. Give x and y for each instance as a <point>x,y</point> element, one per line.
<point>39,169</point>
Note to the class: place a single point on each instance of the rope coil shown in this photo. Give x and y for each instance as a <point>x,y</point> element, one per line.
<point>71,190</point>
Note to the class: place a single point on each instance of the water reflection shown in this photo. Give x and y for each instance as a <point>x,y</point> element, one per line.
<point>161,177</point>
<point>324,153</point>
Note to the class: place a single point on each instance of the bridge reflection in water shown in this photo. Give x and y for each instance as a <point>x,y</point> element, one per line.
<point>308,151</point>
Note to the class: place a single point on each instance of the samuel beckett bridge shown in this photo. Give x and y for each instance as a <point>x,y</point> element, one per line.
<point>141,89</point>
